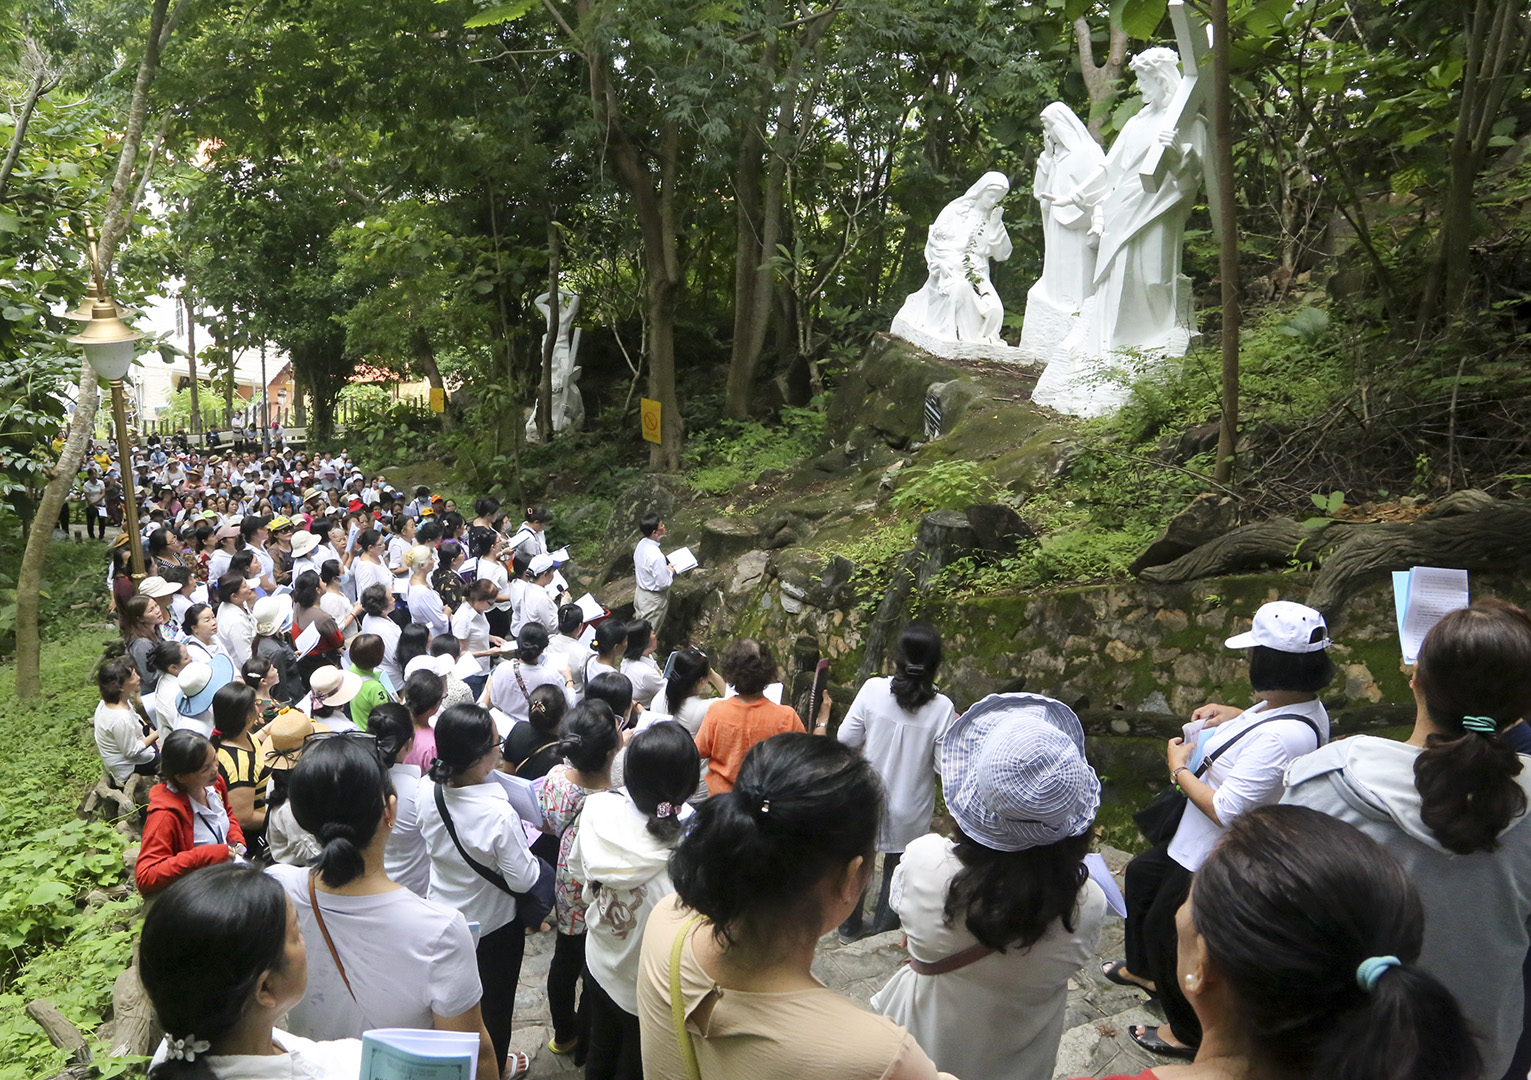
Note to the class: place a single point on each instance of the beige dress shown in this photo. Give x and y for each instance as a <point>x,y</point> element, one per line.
<point>801,1035</point>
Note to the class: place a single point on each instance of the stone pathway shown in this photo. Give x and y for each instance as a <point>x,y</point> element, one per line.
<point>1095,1040</point>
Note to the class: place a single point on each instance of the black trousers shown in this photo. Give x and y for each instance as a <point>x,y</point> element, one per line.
<point>613,1050</point>
<point>883,918</point>
<point>499,970</point>
<point>570,1021</point>
<point>1156,887</point>
<point>95,522</point>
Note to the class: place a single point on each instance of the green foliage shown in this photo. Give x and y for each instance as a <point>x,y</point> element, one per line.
<point>945,485</point>
<point>741,450</point>
<point>1328,505</point>
<point>402,431</point>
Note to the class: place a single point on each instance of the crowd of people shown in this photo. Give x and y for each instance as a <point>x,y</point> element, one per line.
<point>389,748</point>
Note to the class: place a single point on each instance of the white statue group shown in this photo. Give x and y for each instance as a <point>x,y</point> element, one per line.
<point>1111,295</point>
<point>568,403</point>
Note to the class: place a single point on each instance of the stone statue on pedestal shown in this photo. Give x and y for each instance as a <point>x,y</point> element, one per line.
<point>1138,200</point>
<point>568,404</point>
<point>958,303</point>
<point>1069,155</point>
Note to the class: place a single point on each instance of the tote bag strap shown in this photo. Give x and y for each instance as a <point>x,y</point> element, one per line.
<point>678,1006</point>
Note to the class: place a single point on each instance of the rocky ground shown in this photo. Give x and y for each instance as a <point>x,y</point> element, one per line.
<point>1095,1041</point>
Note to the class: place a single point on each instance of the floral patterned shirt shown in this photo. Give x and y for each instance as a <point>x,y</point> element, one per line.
<point>561,799</point>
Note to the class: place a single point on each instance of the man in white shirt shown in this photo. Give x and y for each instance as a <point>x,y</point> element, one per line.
<point>236,626</point>
<point>651,597</point>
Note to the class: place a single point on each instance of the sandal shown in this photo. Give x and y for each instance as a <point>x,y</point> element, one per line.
<point>1113,973</point>
<point>517,1065</point>
<point>562,1048</point>
<point>1148,1038</point>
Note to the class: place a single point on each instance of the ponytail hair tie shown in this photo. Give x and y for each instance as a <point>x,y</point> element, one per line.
<point>665,809</point>
<point>1371,969</point>
<point>1482,725</point>
<point>914,669</point>
<point>539,708</point>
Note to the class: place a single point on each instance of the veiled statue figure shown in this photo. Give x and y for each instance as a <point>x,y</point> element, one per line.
<point>1069,156</point>
<point>568,403</point>
<point>1141,301</point>
<point>958,302</point>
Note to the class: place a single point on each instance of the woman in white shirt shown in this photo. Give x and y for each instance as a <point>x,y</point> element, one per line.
<point>401,537</point>
<point>390,958</point>
<point>897,723</point>
<point>510,687</point>
<point>201,626</point>
<point>367,567</point>
<point>406,858</point>
<point>1230,761</point>
<point>222,959</point>
<point>377,602</point>
<point>125,740</point>
<point>483,564</point>
<point>609,645</point>
<point>425,606</point>
<point>470,624</point>
<point>680,696</point>
<point>485,828</point>
<point>986,986</point>
<point>168,658</point>
<point>622,854</point>
<point>638,662</point>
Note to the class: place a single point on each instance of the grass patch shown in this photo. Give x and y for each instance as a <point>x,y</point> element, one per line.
<point>50,945</point>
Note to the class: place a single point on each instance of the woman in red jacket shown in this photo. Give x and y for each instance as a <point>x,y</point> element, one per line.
<point>189,825</point>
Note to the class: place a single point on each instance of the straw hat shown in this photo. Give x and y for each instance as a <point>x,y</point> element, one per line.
<point>286,736</point>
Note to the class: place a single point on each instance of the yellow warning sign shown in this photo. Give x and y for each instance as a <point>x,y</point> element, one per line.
<point>438,399</point>
<point>650,413</point>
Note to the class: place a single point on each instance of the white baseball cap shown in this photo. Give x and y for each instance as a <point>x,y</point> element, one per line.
<point>1286,627</point>
<point>541,564</point>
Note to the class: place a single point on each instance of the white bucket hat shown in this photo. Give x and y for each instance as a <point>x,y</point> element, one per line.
<point>272,613</point>
<point>303,542</point>
<point>332,686</point>
<point>1286,627</point>
<point>1015,775</point>
<point>156,587</point>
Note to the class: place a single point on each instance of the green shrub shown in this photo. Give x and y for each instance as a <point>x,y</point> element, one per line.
<point>945,485</point>
<point>738,451</point>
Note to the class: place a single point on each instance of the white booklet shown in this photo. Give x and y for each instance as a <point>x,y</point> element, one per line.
<point>418,1054</point>
<point>590,608</point>
<point>523,795</point>
<point>560,556</point>
<point>1421,597</point>
<point>306,640</point>
<point>681,560</point>
<point>557,587</point>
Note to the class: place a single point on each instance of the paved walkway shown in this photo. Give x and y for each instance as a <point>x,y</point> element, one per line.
<point>1095,1041</point>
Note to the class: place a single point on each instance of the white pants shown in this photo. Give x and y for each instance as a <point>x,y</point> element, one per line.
<point>651,606</point>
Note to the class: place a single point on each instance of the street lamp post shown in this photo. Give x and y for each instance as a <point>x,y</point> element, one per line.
<point>108,344</point>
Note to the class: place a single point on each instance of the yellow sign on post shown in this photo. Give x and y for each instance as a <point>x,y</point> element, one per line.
<point>438,399</point>
<point>650,414</point>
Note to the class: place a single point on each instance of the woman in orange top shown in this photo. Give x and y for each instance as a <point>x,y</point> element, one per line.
<point>735,724</point>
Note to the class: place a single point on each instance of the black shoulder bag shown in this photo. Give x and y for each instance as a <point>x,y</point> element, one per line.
<point>1159,820</point>
<point>532,906</point>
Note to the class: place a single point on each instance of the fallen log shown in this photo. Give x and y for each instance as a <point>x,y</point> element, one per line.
<point>1249,547</point>
<point>1497,538</point>
<point>61,1033</point>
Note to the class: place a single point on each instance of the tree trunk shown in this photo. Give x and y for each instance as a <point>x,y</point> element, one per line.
<point>1228,240</point>
<point>655,209</point>
<point>34,559</point>
<point>191,363</point>
<point>1100,80</point>
<point>425,352</point>
<point>1498,39</point>
<point>549,340</point>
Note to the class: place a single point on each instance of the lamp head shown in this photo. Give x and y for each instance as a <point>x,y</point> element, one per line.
<point>107,341</point>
